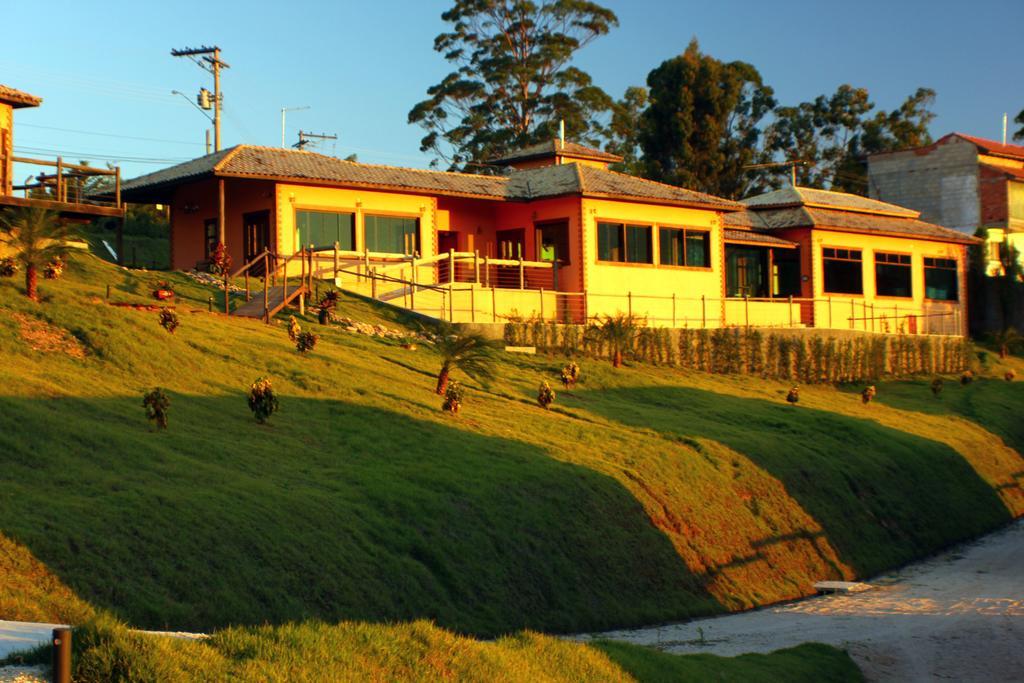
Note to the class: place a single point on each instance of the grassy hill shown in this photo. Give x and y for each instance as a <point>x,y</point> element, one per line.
<point>648,494</point>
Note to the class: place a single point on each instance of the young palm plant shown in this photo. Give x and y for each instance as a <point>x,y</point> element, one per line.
<point>1007,340</point>
<point>466,352</point>
<point>618,332</point>
<point>37,237</point>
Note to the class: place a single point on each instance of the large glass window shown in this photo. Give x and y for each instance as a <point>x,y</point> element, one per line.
<point>746,270</point>
<point>892,275</point>
<point>323,228</point>
<point>940,279</point>
<point>844,272</point>
<point>624,243</point>
<point>682,247</point>
<point>392,234</point>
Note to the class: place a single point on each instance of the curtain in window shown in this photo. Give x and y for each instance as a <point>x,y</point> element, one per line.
<point>391,234</point>
<point>697,249</point>
<point>322,229</point>
<point>671,249</point>
<point>609,242</point>
<point>638,244</point>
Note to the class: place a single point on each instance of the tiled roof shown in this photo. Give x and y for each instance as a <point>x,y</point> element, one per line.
<point>600,182</point>
<point>550,148</point>
<point>771,218</point>
<point>273,162</point>
<point>751,237</point>
<point>806,196</point>
<point>18,98</point>
<point>295,166</point>
<point>993,147</point>
<point>1015,173</point>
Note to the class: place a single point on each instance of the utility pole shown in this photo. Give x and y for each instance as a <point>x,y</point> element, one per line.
<point>283,110</point>
<point>305,138</point>
<point>208,58</point>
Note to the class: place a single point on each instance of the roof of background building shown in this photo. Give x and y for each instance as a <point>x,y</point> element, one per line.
<point>991,146</point>
<point>551,148</point>
<point>806,196</point>
<point>272,163</point>
<point>759,238</point>
<point>1014,173</point>
<point>836,211</point>
<point>18,98</point>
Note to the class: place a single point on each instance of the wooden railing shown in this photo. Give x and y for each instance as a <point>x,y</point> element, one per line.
<point>67,182</point>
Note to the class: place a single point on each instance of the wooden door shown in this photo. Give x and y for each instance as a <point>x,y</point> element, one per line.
<point>256,231</point>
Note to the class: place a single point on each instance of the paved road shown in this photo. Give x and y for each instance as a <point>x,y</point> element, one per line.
<point>958,616</point>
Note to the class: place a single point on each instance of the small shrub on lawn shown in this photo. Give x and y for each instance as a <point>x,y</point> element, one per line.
<point>936,387</point>
<point>570,375</point>
<point>967,377</point>
<point>157,404</point>
<point>1010,375</point>
<point>54,269</point>
<point>293,329</point>
<point>793,396</point>
<point>306,341</point>
<point>545,395</point>
<point>8,267</point>
<point>453,395</point>
<point>868,394</point>
<point>220,260</point>
<point>262,400</point>
<point>169,320</point>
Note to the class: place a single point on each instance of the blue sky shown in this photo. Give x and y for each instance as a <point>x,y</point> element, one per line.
<point>105,72</point>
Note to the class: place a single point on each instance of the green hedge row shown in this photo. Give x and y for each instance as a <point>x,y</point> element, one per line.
<point>814,358</point>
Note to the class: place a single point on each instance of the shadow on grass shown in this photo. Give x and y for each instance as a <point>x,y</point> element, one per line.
<point>994,404</point>
<point>809,662</point>
<point>332,511</point>
<point>881,496</point>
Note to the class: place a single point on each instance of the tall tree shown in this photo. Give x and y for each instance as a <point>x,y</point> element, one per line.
<point>622,134</point>
<point>1019,135</point>
<point>513,81</point>
<point>835,134</point>
<point>701,128</point>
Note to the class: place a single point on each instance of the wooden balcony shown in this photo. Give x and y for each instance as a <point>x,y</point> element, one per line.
<point>67,190</point>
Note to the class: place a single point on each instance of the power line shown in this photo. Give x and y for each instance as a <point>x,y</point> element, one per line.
<point>108,135</point>
<point>103,157</point>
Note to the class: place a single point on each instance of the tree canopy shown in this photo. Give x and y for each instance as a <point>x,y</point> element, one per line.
<point>514,79</point>
<point>702,125</point>
<point>1019,135</point>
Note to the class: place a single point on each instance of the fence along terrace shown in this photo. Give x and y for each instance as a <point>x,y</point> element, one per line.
<point>558,236</point>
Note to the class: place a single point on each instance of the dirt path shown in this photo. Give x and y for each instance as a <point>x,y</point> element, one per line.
<point>958,616</point>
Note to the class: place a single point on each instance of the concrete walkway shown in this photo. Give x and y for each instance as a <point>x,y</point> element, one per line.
<point>958,616</point>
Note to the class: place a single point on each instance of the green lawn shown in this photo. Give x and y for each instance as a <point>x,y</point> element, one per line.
<point>646,495</point>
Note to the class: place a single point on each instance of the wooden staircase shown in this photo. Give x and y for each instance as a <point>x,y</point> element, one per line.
<point>275,301</point>
<point>275,296</point>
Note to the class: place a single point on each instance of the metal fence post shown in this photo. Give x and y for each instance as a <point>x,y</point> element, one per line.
<point>673,309</point>
<point>703,311</point>
<point>629,299</point>
<point>472,305</point>
<point>336,261</point>
<point>494,305</point>
<point>476,266</point>
<point>451,266</point>
<point>541,303</point>
<point>522,278</point>
<point>791,309</point>
<point>853,313</point>
<point>829,299</point>
<point>746,309</point>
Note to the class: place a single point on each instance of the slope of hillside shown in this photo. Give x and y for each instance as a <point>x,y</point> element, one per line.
<point>646,495</point>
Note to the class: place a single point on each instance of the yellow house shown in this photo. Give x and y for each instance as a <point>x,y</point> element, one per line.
<point>864,264</point>
<point>557,236</point>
